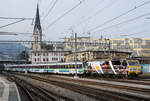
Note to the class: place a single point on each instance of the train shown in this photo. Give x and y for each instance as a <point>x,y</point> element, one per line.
<point>129,67</point>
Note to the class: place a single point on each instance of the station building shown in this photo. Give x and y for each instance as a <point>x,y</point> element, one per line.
<point>140,47</point>
<point>90,55</point>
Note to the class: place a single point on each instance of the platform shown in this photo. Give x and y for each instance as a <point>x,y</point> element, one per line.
<point>8,90</point>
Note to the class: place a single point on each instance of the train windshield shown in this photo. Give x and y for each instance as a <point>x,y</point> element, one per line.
<point>133,63</point>
<point>116,63</point>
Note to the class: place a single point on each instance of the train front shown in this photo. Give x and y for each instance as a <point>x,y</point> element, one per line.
<point>134,68</point>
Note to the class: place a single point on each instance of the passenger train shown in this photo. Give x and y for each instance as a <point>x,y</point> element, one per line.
<point>112,67</point>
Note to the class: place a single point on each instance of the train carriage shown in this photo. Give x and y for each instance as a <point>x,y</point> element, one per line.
<point>56,68</point>
<point>112,67</point>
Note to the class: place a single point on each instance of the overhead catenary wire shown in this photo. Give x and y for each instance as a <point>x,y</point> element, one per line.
<point>64,14</point>
<point>138,33</point>
<point>96,13</point>
<point>125,13</point>
<point>127,21</point>
<point>42,14</point>
<point>12,33</point>
<point>16,18</point>
<point>50,10</point>
<point>12,23</point>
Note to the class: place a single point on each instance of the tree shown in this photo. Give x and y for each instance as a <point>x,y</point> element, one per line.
<point>23,55</point>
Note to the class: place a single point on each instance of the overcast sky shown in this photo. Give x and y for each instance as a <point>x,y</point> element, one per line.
<point>81,20</point>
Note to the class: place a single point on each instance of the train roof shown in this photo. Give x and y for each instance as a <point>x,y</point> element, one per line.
<point>50,64</point>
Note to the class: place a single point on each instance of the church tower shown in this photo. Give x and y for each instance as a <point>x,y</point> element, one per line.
<point>37,32</point>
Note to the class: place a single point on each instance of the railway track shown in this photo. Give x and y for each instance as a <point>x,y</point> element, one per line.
<point>95,93</point>
<point>144,90</point>
<point>120,87</point>
<point>134,81</point>
<point>36,93</point>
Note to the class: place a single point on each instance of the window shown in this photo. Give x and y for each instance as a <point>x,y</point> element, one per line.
<point>56,54</point>
<point>34,54</point>
<point>62,60</point>
<point>35,59</point>
<point>130,41</point>
<point>54,59</point>
<point>38,59</point>
<point>133,63</point>
<point>44,59</point>
<point>43,54</point>
<point>47,59</point>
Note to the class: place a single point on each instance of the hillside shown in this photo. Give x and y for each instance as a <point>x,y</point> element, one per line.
<point>9,51</point>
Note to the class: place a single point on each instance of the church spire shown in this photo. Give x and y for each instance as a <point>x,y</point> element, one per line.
<point>37,26</point>
<point>37,32</point>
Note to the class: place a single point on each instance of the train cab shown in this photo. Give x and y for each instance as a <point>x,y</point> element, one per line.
<point>133,66</point>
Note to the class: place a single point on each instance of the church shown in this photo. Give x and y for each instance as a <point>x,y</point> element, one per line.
<point>41,52</point>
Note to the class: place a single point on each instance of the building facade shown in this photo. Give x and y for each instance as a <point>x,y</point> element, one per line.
<point>48,56</point>
<point>97,55</point>
<point>41,52</point>
<point>85,43</point>
<point>140,47</point>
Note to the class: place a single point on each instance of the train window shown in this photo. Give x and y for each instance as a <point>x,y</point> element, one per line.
<point>61,66</point>
<point>124,63</point>
<point>77,65</point>
<point>57,66</point>
<point>52,66</point>
<point>116,63</point>
<point>68,66</point>
<point>80,65</point>
<point>133,63</point>
<point>73,66</point>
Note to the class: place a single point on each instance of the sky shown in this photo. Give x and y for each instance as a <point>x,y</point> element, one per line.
<point>82,20</point>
